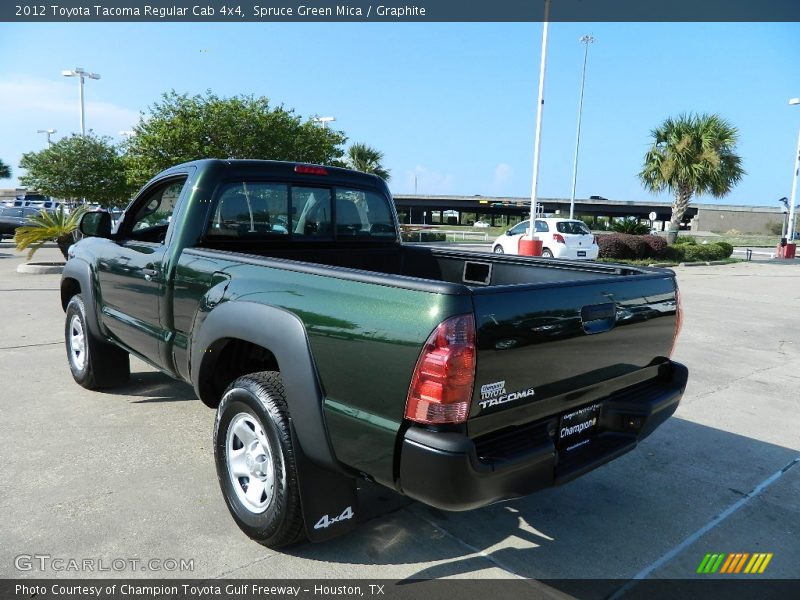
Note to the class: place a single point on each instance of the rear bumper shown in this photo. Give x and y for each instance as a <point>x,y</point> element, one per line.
<point>590,252</point>
<point>448,470</point>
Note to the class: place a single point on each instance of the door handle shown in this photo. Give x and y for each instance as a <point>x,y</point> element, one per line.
<point>149,274</point>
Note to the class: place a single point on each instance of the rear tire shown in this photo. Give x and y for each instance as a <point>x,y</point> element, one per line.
<point>94,363</point>
<point>498,249</point>
<point>255,460</point>
<point>546,253</point>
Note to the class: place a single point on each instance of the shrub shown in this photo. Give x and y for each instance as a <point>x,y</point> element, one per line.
<point>657,244</point>
<point>419,235</point>
<point>774,227</point>
<point>612,246</point>
<point>685,239</point>
<point>676,252</point>
<point>727,247</point>
<point>638,246</point>
<point>694,253</point>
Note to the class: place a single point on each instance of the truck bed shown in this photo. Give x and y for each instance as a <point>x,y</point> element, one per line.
<point>474,270</point>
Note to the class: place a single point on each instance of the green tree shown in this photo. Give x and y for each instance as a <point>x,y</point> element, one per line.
<point>692,155</point>
<point>5,170</point>
<point>48,226</point>
<point>78,167</point>
<point>367,160</point>
<point>630,225</point>
<point>180,128</point>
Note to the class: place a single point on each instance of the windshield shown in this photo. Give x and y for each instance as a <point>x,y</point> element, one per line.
<point>573,227</point>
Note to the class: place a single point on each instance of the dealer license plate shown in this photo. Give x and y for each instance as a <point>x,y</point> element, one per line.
<point>576,428</point>
<point>581,253</point>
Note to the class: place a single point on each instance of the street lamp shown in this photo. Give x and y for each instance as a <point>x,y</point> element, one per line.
<point>792,228</point>
<point>586,40</point>
<point>81,74</point>
<point>47,132</point>
<point>324,121</point>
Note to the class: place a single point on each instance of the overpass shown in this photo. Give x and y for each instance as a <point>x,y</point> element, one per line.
<point>501,211</point>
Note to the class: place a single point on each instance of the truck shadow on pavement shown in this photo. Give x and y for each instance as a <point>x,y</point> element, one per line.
<point>153,386</point>
<point>610,523</point>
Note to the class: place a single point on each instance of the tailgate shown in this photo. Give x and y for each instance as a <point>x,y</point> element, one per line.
<point>547,349</point>
<point>578,241</point>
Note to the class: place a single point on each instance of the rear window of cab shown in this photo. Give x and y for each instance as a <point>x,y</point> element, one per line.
<point>268,210</point>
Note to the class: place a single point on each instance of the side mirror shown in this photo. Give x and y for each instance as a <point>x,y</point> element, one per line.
<point>96,224</point>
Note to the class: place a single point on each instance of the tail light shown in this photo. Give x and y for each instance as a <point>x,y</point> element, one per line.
<point>594,240</point>
<point>310,170</point>
<point>678,319</point>
<point>441,388</point>
<point>559,238</point>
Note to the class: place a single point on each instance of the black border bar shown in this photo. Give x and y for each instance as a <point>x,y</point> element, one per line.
<point>420,11</point>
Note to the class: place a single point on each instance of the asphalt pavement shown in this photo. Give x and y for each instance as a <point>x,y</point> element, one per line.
<point>129,473</point>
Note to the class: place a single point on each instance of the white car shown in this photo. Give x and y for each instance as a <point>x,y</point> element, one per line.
<point>561,238</point>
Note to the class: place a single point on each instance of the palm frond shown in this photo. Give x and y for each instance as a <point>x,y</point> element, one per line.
<point>46,226</point>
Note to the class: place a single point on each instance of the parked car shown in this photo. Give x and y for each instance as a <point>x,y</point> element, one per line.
<point>332,351</point>
<point>37,201</point>
<point>12,217</point>
<point>561,238</point>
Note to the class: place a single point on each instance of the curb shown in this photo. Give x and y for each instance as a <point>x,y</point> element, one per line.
<point>40,268</point>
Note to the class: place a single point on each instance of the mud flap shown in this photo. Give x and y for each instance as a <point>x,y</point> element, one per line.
<point>329,499</point>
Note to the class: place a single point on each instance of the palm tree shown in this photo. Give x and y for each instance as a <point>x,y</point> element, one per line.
<point>5,170</point>
<point>367,160</point>
<point>49,226</point>
<point>630,225</point>
<point>693,154</point>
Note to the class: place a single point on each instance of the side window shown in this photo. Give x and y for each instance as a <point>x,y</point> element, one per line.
<point>154,212</point>
<point>311,212</point>
<point>363,214</point>
<point>519,228</point>
<point>542,227</point>
<point>247,208</point>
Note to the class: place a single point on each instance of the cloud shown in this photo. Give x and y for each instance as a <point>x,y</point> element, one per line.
<point>28,104</point>
<point>502,175</point>
<point>29,100</point>
<point>427,181</point>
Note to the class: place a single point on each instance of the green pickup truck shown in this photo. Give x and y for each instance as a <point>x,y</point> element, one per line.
<point>333,352</point>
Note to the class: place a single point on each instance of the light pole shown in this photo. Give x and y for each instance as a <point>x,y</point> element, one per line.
<point>794,102</point>
<point>586,40</point>
<point>47,132</point>
<point>81,74</point>
<point>325,121</point>
<point>527,246</point>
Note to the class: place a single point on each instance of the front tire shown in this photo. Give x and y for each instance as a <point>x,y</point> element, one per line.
<point>94,363</point>
<point>546,253</point>
<point>255,460</point>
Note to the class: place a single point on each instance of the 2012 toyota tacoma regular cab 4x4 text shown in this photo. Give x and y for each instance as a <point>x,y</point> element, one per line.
<point>334,352</point>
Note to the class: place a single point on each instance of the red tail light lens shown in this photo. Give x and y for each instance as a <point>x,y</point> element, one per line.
<point>678,319</point>
<point>441,388</point>
<point>559,238</point>
<point>310,170</point>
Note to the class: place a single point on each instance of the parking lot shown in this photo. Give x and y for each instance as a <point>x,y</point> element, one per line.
<point>130,473</point>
